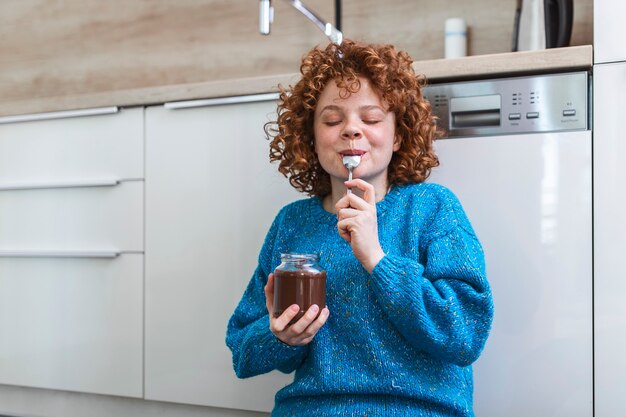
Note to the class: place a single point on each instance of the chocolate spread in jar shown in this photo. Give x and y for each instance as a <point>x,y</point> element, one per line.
<point>299,282</point>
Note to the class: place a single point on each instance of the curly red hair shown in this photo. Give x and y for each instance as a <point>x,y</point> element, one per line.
<point>391,74</point>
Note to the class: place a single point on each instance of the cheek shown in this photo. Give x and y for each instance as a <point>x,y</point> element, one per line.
<point>322,140</point>
<point>318,139</point>
<point>386,140</point>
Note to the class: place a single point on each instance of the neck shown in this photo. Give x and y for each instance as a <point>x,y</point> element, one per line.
<point>338,190</point>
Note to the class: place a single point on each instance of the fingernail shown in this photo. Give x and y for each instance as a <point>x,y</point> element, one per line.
<point>295,308</point>
<point>315,308</point>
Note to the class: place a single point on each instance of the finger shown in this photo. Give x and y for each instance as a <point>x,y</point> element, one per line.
<point>349,201</point>
<point>304,322</point>
<point>355,202</point>
<point>282,322</point>
<point>312,330</point>
<point>369,193</point>
<point>344,202</point>
<point>318,323</point>
<point>344,229</point>
<point>347,213</point>
<point>269,294</point>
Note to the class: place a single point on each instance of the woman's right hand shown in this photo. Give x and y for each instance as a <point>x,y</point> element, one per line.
<point>301,332</point>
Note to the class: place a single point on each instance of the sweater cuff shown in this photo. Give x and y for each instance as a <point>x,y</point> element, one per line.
<point>391,268</point>
<point>388,265</point>
<point>276,350</point>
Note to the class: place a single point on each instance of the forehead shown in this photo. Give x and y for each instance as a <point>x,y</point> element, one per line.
<point>333,94</point>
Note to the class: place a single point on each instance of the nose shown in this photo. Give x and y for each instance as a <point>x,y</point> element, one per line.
<point>351,132</point>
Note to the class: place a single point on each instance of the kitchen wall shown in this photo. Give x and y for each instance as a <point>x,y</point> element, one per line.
<point>55,49</point>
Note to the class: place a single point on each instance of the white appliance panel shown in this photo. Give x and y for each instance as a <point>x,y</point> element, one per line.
<point>529,200</point>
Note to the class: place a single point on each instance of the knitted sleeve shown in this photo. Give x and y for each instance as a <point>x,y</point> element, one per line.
<point>254,347</point>
<point>443,306</point>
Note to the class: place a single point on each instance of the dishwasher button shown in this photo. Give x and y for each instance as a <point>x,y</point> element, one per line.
<point>515,116</point>
<point>532,115</point>
<point>568,113</point>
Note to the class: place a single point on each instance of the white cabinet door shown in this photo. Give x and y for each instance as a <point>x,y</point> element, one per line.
<point>211,195</point>
<point>609,31</point>
<point>80,149</point>
<point>72,219</point>
<point>609,193</point>
<point>71,294</point>
<point>72,324</point>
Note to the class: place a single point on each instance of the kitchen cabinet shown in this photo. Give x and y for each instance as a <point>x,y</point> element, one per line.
<point>103,218</point>
<point>71,253</point>
<point>211,195</point>
<point>609,150</point>
<point>72,324</point>
<point>72,150</point>
<point>609,31</point>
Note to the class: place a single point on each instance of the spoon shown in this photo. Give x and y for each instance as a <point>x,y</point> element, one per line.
<point>351,162</point>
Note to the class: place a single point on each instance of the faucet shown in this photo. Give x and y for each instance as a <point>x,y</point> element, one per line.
<point>266,16</point>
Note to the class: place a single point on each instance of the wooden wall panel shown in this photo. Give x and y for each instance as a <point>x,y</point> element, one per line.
<point>55,49</point>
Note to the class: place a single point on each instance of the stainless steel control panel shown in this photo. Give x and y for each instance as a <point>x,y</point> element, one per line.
<point>539,103</point>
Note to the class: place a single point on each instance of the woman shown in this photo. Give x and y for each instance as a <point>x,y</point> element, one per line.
<point>408,304</point>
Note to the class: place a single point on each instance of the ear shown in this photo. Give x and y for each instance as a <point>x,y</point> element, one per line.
<point>396,143</point>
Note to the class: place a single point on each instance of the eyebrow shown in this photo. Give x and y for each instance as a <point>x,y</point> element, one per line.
<point>362,108</point>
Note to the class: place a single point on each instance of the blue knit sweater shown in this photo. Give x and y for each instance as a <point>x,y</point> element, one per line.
<point>399,341</point>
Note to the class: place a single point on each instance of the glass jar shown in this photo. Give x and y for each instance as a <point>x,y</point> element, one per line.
<point>299,280</point>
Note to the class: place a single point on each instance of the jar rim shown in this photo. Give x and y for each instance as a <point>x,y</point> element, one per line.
<point>300,256</point>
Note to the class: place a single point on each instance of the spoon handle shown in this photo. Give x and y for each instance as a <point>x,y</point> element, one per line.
<point>350,179</point>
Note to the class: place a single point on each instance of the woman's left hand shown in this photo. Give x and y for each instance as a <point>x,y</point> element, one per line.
<point>358,224</point>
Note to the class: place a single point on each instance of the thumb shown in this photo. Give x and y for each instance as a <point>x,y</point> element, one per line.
<point>269,293</point>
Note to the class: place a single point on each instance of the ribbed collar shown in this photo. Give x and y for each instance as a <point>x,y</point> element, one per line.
<point>317,211</point>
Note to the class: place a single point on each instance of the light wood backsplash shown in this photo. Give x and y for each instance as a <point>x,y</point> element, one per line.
<point>61,48</point>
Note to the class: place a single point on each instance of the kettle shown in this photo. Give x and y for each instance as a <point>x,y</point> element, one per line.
<point>541,24</point>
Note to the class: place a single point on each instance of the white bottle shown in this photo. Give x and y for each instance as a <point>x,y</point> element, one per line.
<point>455,38</point>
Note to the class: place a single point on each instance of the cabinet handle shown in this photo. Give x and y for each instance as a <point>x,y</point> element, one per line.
<point>58,254</point>
<point>251,98</point>
<point>58,114</point>
<point>72,184</point>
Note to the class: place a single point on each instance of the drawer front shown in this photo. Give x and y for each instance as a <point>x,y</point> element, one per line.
<point>73,149</point>
<point>72,324</point>
<point>70,219</point>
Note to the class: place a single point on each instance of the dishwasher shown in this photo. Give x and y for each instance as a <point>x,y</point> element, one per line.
<point>517,153</point>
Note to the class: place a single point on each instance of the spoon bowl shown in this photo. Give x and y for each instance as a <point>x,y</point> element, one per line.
<point>351,162</point>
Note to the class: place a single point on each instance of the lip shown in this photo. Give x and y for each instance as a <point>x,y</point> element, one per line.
<point>352,152</point>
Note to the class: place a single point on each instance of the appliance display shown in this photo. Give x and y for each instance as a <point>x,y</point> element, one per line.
<point>518,156</point>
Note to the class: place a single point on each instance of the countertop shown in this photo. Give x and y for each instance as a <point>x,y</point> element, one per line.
<point>438,70</point>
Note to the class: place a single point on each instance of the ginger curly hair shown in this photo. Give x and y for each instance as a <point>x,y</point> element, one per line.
<point>390,73</point>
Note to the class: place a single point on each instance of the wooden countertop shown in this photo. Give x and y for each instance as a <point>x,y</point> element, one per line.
<point>472,67</point>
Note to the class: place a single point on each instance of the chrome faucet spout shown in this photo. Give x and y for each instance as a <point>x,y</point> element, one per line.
<point>266,14</point>
<point>329,30</point>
